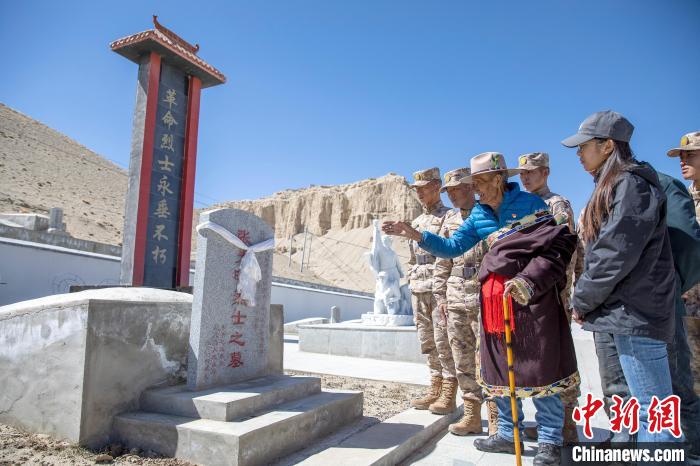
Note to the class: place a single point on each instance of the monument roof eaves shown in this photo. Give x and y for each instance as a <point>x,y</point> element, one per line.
<point>134,45</point>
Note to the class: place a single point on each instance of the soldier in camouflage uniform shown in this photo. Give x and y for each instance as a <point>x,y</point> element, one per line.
<point>534,174</point>
<point>456,288</point>
<point>689,153</point>
<point>432,334</point>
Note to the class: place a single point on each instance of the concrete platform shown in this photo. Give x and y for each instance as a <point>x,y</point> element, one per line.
<point>362,341</point>
<point>372,369</point>
<point>386,443</point>
<point>231,402</point>
<point>263,420</point>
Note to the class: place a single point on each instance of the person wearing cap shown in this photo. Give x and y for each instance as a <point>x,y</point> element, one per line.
<point>456,289</point>
<point>625,294</point>
<point>432,334</point>
<point>689,155</point>
<point>534,173</point>
<point>527,258</point>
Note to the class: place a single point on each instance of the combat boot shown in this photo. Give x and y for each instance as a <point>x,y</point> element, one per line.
<point>471,420</point>
<point>432,396</point>
<point>496,444</point>
<point>569,431</point>
<point>448,398</point>
<point>493,417</point>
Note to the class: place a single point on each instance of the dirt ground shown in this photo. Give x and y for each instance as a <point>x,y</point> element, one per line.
<point>381,401</point>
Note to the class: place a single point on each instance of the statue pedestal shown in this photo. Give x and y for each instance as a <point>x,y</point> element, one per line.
<point>354,339</point>
<point>387,320</point>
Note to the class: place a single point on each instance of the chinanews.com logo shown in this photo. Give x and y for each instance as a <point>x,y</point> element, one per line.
<point>662,415</point>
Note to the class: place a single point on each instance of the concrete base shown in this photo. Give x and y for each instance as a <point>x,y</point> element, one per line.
<point>69,363</point>
<point>362,341</point>
<point>292,327</point>
<point>387,443</point>
<point>251,423</point>
<point>387,320</point>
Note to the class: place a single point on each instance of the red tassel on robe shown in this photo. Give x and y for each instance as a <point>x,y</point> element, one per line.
<point>492,305</point>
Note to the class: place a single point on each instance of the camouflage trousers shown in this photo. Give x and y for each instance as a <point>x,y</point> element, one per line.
<point>432,335</point>
<point>463,334</point>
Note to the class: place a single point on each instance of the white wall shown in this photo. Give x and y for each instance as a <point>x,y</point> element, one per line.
<point>33,270</point>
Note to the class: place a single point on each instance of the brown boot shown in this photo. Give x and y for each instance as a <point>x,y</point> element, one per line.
<point>569,430</point>
<point>432,396</point>
<point>493,417</point>
<point>447,401</point>
<point>471,420</point>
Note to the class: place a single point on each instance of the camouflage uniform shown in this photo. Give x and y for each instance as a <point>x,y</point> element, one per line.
<point>695,194</point>
<point>456,284</point>
<point>431,334</point>
<point>560,207</point>
<point>691,142</point>
<point>692,296</point>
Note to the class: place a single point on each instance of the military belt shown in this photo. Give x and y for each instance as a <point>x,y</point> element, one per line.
<point>422,259</point>
<point>464,272</point>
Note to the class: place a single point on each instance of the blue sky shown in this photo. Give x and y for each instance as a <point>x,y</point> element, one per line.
<point>327,92</point>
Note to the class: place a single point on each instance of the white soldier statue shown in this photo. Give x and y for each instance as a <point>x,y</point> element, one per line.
<point>389,296</point>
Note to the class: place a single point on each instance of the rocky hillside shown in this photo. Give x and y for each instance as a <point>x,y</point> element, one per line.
<point>41,168</point>
<point>339,220</point>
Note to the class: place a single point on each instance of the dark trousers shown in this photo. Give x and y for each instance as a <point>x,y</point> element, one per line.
<point>613,380</point>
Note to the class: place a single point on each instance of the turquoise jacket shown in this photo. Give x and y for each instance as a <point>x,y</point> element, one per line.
<point>482,222</point>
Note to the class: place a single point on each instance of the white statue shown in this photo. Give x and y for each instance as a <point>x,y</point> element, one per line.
<point>389,296</point>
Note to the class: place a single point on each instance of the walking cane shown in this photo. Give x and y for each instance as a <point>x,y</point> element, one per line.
<point>511,379</point>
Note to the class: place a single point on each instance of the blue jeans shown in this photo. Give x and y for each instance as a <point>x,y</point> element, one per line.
<point>644,362</point>
<point>549,417</point>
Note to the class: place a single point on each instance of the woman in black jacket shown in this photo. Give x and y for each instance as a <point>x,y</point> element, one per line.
<point>626,290</point>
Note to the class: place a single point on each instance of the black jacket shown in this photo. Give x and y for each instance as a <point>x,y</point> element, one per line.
<point>684,234</point>
<point>683,230</point>
<point>628,283</point>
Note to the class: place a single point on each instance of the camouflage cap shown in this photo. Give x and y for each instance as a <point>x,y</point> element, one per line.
<point>455,178</point>
<point>423,177</point>
<point>533,160</point>
<point>690,141</point>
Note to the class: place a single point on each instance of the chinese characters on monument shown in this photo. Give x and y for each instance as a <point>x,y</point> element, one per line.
<point>160,196</point>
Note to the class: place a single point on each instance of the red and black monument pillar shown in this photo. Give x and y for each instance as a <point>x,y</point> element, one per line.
<point>160,197</point>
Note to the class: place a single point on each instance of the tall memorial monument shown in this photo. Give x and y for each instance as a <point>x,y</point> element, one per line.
<point>160,196</point>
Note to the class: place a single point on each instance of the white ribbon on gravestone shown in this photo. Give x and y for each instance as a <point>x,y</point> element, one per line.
<point>250,269</point>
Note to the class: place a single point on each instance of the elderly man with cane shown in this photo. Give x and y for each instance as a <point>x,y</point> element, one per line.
<point>527,259</point>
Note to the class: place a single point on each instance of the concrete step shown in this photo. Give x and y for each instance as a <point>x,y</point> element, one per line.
<point>387,443</point>
<point>229,402</point>
<point>258,440</point>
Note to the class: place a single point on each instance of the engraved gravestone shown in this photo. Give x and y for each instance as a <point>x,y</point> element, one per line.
<point>229,334</point>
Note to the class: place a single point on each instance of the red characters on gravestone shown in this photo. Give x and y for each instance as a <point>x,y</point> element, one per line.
<point>236,360</point>
<point>238,317</point>
<point>236,338</point>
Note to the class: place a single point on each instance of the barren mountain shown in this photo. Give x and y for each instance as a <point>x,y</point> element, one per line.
<point>41,168</point>
<point>339,221</point>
